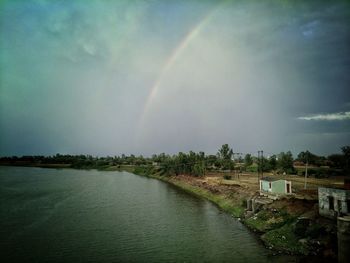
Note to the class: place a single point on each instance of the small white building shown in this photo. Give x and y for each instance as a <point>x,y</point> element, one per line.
<point>272,185</point>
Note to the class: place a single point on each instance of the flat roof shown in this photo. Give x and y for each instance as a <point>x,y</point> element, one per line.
<point>269,179</point>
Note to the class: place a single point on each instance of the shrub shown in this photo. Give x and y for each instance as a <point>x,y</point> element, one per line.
<point>227,177</point>
<point>252,168</point>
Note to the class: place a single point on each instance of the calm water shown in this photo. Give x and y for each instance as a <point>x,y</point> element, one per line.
<point>78,216</point>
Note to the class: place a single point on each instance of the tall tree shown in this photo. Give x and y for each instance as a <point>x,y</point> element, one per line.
<point>225,155</point>
<point>225,152</point>
<point>346,153</point>
<point>285,162</point>
<point>248,160</point>
<point>273,162</point>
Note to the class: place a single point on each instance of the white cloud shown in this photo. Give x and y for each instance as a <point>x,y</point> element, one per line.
<point>338,116</point>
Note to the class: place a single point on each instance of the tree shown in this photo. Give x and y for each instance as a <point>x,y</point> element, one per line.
<point>225,154</point>
<point>198,169</point>
<point>273,162</point>
<point>265,165</point>
<point>248,160</point>
<point>346,153</point>
<point>285,162</point>
<point>304,157</point>
<point>310,158</point>
<point>337,160</point>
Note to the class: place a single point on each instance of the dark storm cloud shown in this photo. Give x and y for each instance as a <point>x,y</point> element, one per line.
<point>76,77</point>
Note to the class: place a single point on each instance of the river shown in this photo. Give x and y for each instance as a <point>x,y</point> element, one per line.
<point>66,215</point>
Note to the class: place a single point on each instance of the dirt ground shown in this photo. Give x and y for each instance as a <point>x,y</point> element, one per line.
<point>249,183</point>
<point>246,186</point>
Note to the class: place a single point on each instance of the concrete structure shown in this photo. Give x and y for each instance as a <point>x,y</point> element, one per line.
<point>254,204</point>
<point>270,185</point>
<point>343,225</point>
<point>333,202</point>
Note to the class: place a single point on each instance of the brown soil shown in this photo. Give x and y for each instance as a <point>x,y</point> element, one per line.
<point>246,185</point>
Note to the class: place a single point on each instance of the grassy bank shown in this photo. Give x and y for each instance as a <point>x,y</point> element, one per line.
<point>226,204</point>
<point>277,231</point>
<point>284,239</point>
<point>229,205</point>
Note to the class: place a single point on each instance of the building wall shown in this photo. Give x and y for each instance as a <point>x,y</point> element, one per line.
<point>279,187</point>
<point>265,186</point>
<point>340,198</point>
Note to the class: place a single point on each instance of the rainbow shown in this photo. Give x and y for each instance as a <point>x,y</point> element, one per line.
<point>181,47</point>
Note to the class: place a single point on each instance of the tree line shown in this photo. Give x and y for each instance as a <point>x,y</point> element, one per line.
<point>196,164</point>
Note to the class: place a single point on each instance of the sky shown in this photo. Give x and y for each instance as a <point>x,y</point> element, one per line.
<point>153,76</point>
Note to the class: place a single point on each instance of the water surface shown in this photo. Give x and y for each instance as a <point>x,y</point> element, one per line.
<point>91,216</point>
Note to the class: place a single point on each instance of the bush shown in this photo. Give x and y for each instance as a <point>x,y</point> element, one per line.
<point>284,239</point>
<point>252,168</point>
<point>198,170</point>
<point>144,170</point>
<point>227,177</point>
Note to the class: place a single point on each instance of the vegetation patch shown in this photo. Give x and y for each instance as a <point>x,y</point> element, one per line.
<point>256,224</point>
<point>227,177</point>
<point>222,201</point>
<point>285,240</point>
<point>266,220</point>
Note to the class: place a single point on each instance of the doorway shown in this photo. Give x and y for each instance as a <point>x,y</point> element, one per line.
<point>288,188</point>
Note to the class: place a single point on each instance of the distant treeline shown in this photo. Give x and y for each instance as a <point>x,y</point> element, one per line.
<point>196,164</point>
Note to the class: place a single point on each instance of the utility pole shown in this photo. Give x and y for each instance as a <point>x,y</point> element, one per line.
<point>259,166</point>
<point>262,164</point>
<point>234,160</point>
<point>307,163</point>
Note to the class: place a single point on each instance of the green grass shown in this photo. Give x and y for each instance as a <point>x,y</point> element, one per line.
<point>120,168</point>
<point>226,204</point>
<point>223,202</point>
<point>278,227</point>
<point>266,220</point>
<point>256,223</point>
<point>285,240</point>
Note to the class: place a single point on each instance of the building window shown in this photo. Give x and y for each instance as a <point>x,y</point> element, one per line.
<point>331,202</point>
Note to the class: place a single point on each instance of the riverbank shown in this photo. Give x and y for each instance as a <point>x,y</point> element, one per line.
<point>288,225</point>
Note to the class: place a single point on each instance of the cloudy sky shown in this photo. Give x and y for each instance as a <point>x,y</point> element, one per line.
<point>152,76</point>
